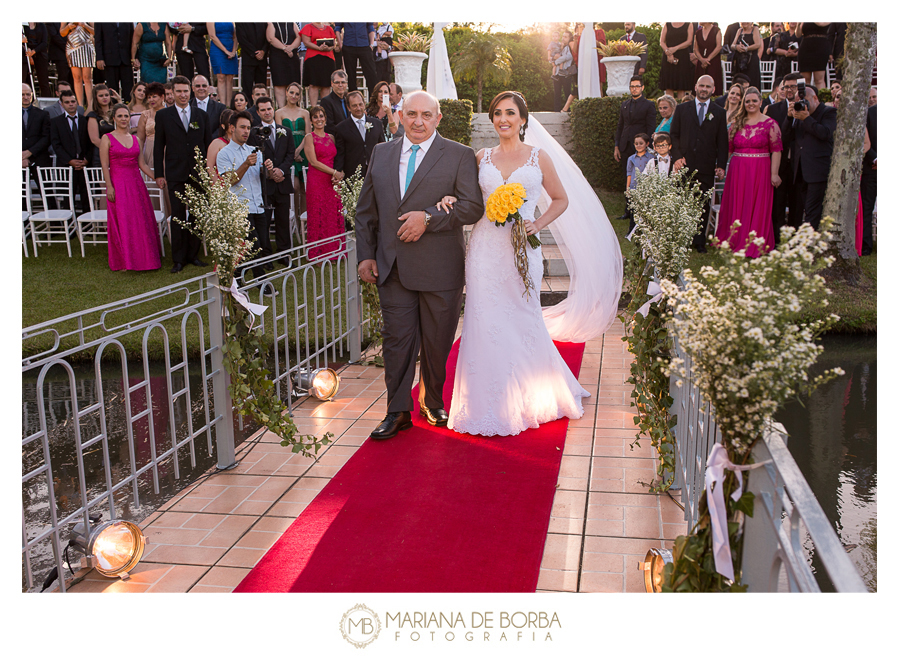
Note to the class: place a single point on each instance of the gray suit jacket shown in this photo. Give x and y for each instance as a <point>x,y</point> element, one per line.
<point>436,261</point>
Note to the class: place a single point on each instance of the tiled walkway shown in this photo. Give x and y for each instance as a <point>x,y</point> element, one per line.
<point>210,535</point>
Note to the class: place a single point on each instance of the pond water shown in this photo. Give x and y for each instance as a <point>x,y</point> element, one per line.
<point>833,439</point>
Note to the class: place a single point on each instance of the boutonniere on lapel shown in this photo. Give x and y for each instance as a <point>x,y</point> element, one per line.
<point>709,116</point>
<point>194,125</point>
<point>368,126</point>
<point>280,132</point>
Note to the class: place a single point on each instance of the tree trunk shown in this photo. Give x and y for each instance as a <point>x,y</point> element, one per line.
<point>842,197</point>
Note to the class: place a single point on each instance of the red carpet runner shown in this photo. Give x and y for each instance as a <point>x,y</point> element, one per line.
<point>429,510</point>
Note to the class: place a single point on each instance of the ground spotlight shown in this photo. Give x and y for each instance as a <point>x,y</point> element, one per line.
<point>654,563</point>
<point>113,548</point>
<point>321,382</point>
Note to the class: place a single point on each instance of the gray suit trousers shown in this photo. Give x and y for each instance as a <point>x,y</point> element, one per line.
<point>435,314</point>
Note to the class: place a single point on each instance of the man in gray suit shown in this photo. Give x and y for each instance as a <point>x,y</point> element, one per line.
<point>416,254</point>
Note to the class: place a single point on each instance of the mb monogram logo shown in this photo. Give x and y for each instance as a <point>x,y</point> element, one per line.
<point>360,626</point>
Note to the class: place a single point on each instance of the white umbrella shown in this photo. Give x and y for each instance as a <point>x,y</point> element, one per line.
<point>588,67</point>
<point>439,82</point>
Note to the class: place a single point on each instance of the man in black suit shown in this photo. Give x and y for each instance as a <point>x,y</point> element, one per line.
<point>700,143</point>
<point>335,103</point>
<point>636,115</point>
<point>196,61</point>
<point>203,101</point>
<point>35,134</point>
<point>809,134</point>
<point>277,146</point>
<point>869,184</point>
<point>112,43</point>
<point>638,37</point>
<point>354,150</point>
<point>180,129</point>
<point>778,112</point>
<point>259,91</point>
<point>72,145</point>
<point>254,47</point>
<point>57,52</point>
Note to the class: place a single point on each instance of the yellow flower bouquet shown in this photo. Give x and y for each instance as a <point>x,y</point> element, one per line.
<point>503,206</point>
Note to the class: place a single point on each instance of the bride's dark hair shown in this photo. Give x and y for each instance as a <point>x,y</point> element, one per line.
<point>519,100</point>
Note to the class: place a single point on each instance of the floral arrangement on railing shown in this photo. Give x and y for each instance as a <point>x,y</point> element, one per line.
<point>750,353</point>
<point>349,190</point>
<point>667,211</point>
<point>220,218</point>
<point>622,48</point>
<point>411,42</point>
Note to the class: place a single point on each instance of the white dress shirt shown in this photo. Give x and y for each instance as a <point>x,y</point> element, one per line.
<point>404,158</point>
<point>201,105</point>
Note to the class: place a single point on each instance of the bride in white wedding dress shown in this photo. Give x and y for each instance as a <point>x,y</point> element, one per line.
<point>509,375</point>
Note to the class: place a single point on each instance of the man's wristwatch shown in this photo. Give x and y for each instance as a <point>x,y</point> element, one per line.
<point>427,218</point>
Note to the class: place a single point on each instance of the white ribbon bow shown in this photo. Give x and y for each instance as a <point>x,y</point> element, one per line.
<point>715,475</point>
<point>656,291</point>
<point>242,299</point>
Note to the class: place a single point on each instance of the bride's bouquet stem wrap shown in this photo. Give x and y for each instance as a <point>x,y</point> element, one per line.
<point>503,206</point>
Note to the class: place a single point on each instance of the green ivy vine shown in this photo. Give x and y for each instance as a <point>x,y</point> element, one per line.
<point>649,341</point>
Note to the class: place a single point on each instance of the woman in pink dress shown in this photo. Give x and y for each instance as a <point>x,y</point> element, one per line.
<point>131,225</point>
<point>755,142</point>
<point>324,217</point>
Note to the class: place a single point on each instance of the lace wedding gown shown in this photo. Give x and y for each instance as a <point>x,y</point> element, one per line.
<point>509,376</point>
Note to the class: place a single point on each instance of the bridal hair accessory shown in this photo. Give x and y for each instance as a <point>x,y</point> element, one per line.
<point>502,206</point>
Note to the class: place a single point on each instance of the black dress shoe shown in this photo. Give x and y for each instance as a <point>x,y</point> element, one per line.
<point>622,217</point>
<point>701,249</point>
<point>199,263</point>
<point>437,417</point>
<point>176,268</point>
<point>392,423</point>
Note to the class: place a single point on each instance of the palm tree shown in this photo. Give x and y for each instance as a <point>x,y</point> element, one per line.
<point>482,59</point>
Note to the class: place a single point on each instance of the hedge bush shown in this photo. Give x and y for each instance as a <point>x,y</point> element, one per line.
<point>456,120</point>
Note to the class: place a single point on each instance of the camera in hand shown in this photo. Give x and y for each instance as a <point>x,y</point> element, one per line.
<point>266,131</point>
<point>800,105</point>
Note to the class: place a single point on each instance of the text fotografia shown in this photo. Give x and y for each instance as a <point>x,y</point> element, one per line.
<point>481,626</point>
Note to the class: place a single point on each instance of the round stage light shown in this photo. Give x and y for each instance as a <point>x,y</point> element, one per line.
<point>321,382</point>
<point>113,547</point>
<point>654,563</point>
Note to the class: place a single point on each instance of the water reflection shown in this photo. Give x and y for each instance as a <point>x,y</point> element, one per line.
<point>834,441</point>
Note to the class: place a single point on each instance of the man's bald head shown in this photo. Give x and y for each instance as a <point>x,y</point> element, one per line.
<point>420,116</point>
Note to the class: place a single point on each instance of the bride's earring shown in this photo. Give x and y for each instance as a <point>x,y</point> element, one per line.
<point>522,132</point>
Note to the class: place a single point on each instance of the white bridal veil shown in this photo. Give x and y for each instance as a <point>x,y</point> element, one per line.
<point>589,246</point>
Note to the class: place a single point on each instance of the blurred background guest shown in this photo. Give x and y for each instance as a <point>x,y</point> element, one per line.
<point>707,48</point>
<point>81,58</point>
<point>238,102</point>
<point>873,96</point>
<point>835,95</point>
<point>666,106</point>
<point>769,42</point>
<point>226,132</point>
<point>380,107</point>
<point>35,134</point>
<point>284,62</point>
<point>384,42</point>
<point>319,64</point>
<point>746,46</point>
<point>676,74</point>
<point>815,49</point>
<point>223,58</point>
<point>786,49</point>
<point>294,117</point>
<point>99,119</point>
<point>254,49</point>
<point>733,102</point>
<point>776,95</point>
<point>138,103</point>
<point>193,59</point>
<point>151,51</point>
<point>35,57</point>
<point>112,41</point>
<point>600,37</point>
<point>837,34</point>
<point>57,53</point>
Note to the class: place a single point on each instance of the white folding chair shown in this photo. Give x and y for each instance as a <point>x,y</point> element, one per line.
<point>159,210</point>
<point>91,225</point>
<point>50,226</point>
<point>766,76</point>
<point>715,204</point>
<point>26,197</point>
<point>726,74</point>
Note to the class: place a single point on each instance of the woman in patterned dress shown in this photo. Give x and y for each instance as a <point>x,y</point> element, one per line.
<point>81,58</point>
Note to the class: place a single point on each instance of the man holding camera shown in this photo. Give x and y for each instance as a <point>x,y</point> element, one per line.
<point>782,196</point>
<point>241,165</point>
<point>808,136</point>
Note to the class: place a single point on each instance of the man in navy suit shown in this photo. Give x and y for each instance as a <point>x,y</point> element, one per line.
<point>354,150</point>
<point>636,115</point>
<point>112,42</point>
<point>638,37</point>
<point>700,143</point>
<point>180,129</point>
<point>809,136</point>
<point>869,184</point>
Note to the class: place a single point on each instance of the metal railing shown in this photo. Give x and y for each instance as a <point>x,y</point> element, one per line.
<point>787,523</point>
<point>313,319</point>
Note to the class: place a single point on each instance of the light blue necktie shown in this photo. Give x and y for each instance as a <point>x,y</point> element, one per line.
<point>411,167</point>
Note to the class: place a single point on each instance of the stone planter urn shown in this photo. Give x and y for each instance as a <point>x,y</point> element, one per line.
<point>618,73</point>
<point>408,70</point>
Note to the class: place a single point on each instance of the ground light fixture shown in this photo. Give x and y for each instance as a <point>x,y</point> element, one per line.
<point>654,563</point>
<point>321,382</point>
<point>113,548</point>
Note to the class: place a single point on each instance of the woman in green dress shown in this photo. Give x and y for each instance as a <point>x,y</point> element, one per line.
<point>155,54</point>
<point>296,118</point>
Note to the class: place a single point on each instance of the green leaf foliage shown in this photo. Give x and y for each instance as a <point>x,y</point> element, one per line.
<point>456,120</point>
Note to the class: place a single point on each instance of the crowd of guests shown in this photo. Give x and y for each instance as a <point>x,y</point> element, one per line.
<point>283,155</point>
<point>774,154</point>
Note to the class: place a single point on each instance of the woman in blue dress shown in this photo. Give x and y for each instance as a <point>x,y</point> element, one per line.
<point>223,58</point>
<point>155,41</point>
